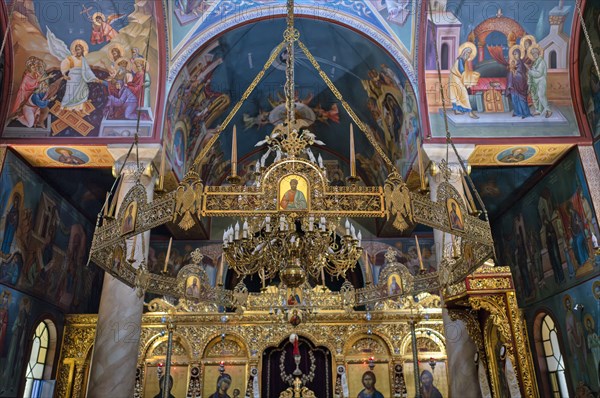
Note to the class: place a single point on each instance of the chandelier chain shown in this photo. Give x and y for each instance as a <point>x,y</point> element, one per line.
<point>290,35</point>
<point>238,105</point>
<point>587,37</point>
<point>449,142</point>
<point>362,126</point>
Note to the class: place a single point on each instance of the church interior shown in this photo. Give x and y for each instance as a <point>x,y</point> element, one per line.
<point>310,198</point>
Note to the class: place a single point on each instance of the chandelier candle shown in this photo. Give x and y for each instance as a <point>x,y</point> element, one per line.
<point>168,256</point>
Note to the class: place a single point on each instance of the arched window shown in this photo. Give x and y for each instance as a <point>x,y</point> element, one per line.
<point>445,54</point>
<point>553,59</point>
<point>554,358</point>
<point>39,366</point>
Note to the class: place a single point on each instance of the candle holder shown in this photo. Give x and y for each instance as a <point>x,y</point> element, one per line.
<point>371,363</point>
<point>432,363</point>
<point>352,180</point>
<point>297,372</point>
<point>234,180</point>
<point>159,370</point>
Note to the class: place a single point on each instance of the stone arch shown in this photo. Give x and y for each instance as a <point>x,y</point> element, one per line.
<point>507,26</point>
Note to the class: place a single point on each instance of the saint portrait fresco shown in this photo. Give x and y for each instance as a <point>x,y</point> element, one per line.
<point>68,156</point>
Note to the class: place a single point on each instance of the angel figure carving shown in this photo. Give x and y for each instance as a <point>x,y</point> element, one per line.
<point>75,70</point>
<point>397,202</point>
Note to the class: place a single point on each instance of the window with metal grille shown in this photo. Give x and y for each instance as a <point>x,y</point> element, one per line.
<point>37,358</point>
<point>554,358</point>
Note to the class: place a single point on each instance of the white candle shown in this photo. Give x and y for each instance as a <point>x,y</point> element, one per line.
<point>168,255</point>
<point>162,167</point>
<point>368,270</point>
<point>347,227</point>
<point>352,153</point>
<point>420,160</point>
<point>134,243</point>
<point>220,269</point>
<point>237,231</point>
<point>421,267</point>
<point>234,152</point>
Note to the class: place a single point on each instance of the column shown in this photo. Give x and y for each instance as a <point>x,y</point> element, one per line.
<point>118,330</point>
<point>460,349</point>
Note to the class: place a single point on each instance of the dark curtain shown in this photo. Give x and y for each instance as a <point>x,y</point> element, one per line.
<point>497,53</point>
<point>272,381</point>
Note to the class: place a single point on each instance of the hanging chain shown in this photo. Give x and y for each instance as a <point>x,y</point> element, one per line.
<point>8,27</point>
<point>449,142</point>
<point>237,106</point>
<point>362,126</point>
<point>290,36</point>
<point>587,37</point>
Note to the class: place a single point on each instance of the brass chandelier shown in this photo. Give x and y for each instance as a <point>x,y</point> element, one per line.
<point>293,223</point>
<point>291,247</point>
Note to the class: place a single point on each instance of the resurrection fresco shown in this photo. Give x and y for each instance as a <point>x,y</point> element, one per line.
<point>547,236</point>
<point>588,74</point>
<point>504,68</point>
<point>213,80</point>
<point>19,316</point>
<point>45,242</point>
<point>83,69</point>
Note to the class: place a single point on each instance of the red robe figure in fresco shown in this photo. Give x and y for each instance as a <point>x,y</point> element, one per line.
<point>28,85</point>
<point>137,87</point>
<point>101,29</point>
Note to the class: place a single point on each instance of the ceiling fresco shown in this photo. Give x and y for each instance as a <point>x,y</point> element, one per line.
<point>504,67</point>
<point>191,18</point>
<point>499,186</point>
<point>214,80</point>
<point>83,69</point>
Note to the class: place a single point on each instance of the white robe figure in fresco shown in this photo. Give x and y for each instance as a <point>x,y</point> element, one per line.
<point>75,70</point>
<point>537,82</point>
<point>461,77</point>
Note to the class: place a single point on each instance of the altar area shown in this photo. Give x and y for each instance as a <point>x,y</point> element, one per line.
<point>336,347</point>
